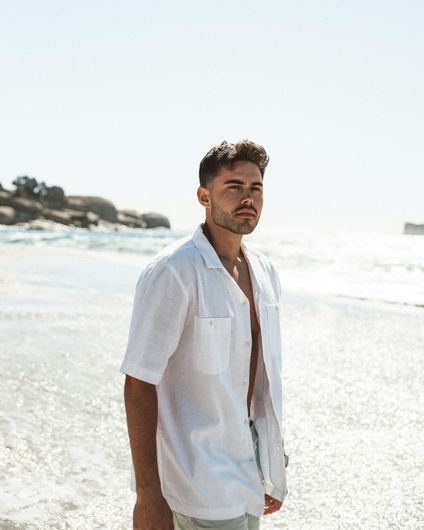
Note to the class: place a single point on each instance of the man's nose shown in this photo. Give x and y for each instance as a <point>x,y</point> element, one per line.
<point>247,197</point>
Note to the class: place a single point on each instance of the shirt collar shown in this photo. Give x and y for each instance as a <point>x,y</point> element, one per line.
<point>201,242</point>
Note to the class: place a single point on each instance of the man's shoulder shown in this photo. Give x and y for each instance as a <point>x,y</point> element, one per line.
<point>179,251</point>
<point>178,255</point>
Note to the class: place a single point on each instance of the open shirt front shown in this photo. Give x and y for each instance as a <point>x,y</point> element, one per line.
<point>190,335</point>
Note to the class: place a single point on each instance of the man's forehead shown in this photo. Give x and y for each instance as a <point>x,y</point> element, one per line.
<point>241,170</point>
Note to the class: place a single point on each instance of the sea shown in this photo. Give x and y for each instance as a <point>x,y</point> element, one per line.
<point>353,353</point>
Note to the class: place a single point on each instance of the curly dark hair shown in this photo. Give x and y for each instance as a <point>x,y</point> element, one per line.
<point>226,154</point>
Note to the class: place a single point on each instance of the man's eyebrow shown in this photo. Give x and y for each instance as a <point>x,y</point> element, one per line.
<point>237,181</point>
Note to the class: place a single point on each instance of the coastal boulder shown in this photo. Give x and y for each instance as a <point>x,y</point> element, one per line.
<point>53,197</point>
<point>413,229</point>
<point>20,204</point>
<point>71,217</point>
<point>102,207</point>
<point>27,206</point>
<point>82,219</point>
<point>155,220</point>
<point>7,215</point>
<point>24,216</point>
<point>130,220</point>
<point>92,219</point>
<point>131,213</point>
<point>5,197</point>
<point>57,216</point>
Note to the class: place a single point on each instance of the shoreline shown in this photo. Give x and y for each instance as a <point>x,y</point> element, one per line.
<point>102,225</point>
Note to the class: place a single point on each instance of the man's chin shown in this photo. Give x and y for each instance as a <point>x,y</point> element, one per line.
<point>246,227</point>
<point>237,226</point>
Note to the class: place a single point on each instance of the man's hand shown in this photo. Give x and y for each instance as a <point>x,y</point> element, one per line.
<point>152,512</point>
<point>271,505</point>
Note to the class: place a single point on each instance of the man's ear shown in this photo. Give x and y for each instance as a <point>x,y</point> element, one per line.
<point>203,196</point>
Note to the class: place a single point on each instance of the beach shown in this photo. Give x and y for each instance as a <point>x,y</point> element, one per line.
<point>353,379</point>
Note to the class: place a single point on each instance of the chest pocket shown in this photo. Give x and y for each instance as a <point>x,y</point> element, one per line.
<point>211,344</point>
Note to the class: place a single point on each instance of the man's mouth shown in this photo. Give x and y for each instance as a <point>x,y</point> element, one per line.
<point>246,213</point>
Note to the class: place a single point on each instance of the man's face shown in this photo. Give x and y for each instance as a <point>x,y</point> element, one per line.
<point>236,198</point>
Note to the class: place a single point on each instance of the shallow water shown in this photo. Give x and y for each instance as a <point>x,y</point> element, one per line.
<point>356,264</point>
<point>354,375</point>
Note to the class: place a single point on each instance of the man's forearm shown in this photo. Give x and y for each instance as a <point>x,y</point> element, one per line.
<point>142,416</point>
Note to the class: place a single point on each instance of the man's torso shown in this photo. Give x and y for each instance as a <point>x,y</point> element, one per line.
<point>227,339</point>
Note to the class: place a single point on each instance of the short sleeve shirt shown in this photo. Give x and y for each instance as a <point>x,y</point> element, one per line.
<point>190,335</point>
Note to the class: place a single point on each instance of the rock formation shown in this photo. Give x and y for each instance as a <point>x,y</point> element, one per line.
<point>413,230</point>
<point>33,204</point>
<point>103,208</point>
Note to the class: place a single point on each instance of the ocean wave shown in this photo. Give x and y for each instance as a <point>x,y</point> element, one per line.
<point>131,241</point>
<point>362,266</point>
<point>370,299</point>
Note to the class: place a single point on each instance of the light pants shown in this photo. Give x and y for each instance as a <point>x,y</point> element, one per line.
<point>244,522</point>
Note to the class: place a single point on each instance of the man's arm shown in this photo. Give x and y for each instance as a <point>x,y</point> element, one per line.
<point>151,510</point>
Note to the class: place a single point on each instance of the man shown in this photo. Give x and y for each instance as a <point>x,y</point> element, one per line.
<point>203,389</point>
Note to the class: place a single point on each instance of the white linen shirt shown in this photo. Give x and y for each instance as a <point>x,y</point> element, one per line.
<point>190,335</point>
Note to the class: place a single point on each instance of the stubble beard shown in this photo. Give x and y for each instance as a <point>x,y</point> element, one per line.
<point>225,220</point>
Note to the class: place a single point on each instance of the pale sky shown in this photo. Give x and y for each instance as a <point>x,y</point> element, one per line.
<point>123,99</point>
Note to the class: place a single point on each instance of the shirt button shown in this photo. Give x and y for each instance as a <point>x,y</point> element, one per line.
<point>247,342</point>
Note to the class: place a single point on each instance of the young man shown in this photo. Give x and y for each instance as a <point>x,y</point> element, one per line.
<point>203,389</point>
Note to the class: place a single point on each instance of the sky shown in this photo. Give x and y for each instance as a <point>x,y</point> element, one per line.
<point>123,99</point>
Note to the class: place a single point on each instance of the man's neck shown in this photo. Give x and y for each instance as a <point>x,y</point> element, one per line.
<point>226,244</point>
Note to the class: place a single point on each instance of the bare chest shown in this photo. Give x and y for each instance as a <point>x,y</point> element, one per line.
<point>241,275</point>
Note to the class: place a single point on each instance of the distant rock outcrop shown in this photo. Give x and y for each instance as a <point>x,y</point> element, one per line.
<point>23,209</point>
<point>153,220</point>
<point>102,207</point>
<point>131,218</point>
<point>7,215</point>
<point>413,230</point>
<point>54,197</point>
<point>33,204</point>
